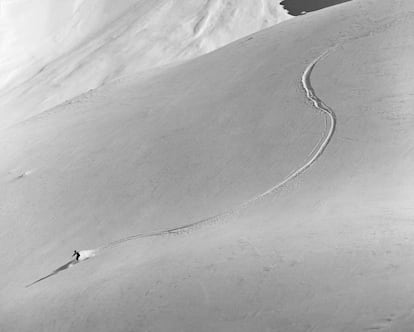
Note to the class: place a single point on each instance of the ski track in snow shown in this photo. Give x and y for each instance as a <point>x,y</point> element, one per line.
<point>315,154</point>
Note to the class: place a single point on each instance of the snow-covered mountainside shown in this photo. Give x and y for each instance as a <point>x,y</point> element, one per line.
<point>265,186</point>
<point>53,50</point>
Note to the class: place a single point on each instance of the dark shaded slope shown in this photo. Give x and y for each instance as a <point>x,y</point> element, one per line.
<point>298,7</point>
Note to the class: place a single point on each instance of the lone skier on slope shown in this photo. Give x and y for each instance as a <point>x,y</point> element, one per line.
<point>76,254</point>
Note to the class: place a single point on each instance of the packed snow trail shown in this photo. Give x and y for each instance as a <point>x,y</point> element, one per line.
<point>317,152</point>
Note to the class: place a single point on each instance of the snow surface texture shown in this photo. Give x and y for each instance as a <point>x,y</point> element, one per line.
<point>313,156</point>
<point>53,50</point>
<point>331,251</point>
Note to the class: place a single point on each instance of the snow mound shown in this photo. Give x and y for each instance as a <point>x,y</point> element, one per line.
<point>86,254</point>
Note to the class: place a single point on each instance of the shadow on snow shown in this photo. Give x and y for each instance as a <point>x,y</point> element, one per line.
<point>59,269</point>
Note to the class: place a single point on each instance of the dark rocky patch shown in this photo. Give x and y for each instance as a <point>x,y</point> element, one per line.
<point>299,7</point>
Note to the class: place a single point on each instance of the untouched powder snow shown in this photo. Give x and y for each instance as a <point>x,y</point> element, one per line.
<point>313,156</point>
<point>34,33</point>
<point>52,50</point>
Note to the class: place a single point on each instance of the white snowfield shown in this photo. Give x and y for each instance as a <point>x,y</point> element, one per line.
<point>313,156</point>
<point>306,127</point>
<point>61,49</point>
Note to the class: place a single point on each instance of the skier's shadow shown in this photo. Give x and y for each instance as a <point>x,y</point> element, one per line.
<point>59,269</point>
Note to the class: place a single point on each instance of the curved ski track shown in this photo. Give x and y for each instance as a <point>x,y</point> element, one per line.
<point>317,152</point>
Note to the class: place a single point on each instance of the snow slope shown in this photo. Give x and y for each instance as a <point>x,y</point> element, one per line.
<point>52,51</point>
<point>331,250</point>
<point>35,33</point>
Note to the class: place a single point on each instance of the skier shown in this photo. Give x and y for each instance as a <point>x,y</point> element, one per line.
<point>76,254</point>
